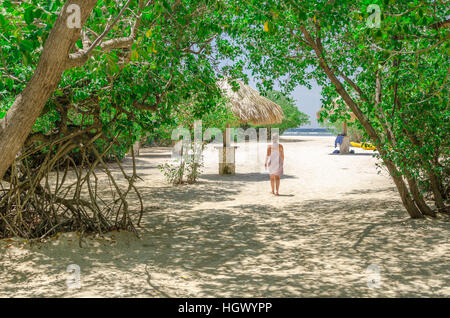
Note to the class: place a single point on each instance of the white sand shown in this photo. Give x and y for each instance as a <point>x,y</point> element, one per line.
<point>227,236</point>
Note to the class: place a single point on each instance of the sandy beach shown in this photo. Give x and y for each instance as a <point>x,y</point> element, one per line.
<point>337,222</point>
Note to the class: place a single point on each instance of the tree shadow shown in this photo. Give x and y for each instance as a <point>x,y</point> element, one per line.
<point>370,191</point>
<point>242,177</point>
<point>187,196</point>
<point>154,156</point>
<point>352,154</point>
<point>314,248</point>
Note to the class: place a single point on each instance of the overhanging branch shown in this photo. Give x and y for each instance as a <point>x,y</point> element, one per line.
<point>80,58</point>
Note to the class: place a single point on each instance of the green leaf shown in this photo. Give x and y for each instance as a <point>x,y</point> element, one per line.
<point>26,58</point>
<point>2,20</point>
<point>134,55</point>
<point>28,15</point>
<point>167,6</point>
<point>26,46</point>
<point>113,68</point>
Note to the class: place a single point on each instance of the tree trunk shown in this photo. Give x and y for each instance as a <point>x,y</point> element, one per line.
<point>418,197</point>
<point>28,105</point>
<point>408,203</point>
<point>434,180</point>
<point>438,198</point>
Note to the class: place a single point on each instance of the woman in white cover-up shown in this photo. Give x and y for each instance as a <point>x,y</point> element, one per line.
<point>274,163</point>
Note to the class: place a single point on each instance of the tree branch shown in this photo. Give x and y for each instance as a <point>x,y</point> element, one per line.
<point>80,58</point>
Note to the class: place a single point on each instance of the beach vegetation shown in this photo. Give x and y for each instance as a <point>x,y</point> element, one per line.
<point>79,87</point>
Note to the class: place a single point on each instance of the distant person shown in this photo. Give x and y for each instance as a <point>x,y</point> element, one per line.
<point>274,162</point>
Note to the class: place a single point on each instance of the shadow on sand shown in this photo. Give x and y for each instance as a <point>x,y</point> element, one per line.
<point>352,154</point>
<point>307,249</point>
<point>242,177</point>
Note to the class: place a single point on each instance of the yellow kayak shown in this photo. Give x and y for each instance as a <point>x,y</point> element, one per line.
<point>363,145</point>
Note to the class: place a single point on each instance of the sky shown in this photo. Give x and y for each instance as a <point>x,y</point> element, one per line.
<point>308,102</point>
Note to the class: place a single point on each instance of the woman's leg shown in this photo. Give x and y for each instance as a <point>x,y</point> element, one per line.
<point>277,180</point>
<point>272,183</point>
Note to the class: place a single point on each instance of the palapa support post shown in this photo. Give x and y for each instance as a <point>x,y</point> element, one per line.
<point>227,155</point>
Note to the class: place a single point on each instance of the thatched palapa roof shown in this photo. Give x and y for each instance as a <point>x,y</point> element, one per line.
<point>249,106</point>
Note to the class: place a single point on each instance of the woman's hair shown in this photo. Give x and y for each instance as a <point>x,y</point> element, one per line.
<point>275,137</point>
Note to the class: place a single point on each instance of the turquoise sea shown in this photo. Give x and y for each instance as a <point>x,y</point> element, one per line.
<point>307,132</point>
